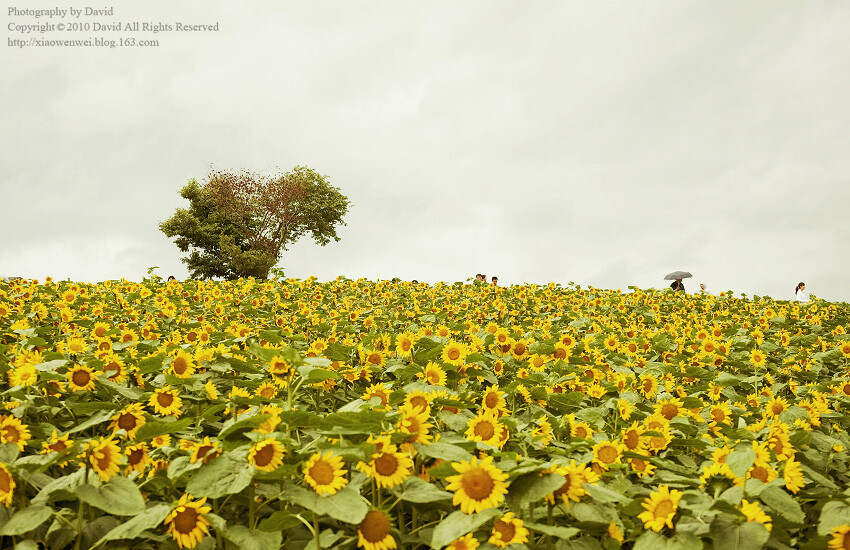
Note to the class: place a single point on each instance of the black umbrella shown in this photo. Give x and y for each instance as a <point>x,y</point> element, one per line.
<point>677,275</point>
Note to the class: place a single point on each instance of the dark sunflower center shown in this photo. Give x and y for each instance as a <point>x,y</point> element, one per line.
<point>264,455</point>
<point>632,439</point>
<point>491,400</point>
<point>453,354</point>
<point>10,434</point>
<point>484,430</point>
<point>204,449</point>
<point>164,399</point>
<point>81,378</point>
<point>608,454</point>
<point>718,415</point>
<point>104,459</point>
<point>419,402</point>
<point>375,526</point>
<point>127,421</point>
<point>58,446</point>
<point>180,365</point>
<point>386,464</point>
<point>477,484</point>
<point>506,530</point>
<point>664,509</point>
<point>186,521</point>
<point>760,473</point>
<point>5,482</point>
<point>135,456</point>
<point>669,411</point>
<point>322,473</point>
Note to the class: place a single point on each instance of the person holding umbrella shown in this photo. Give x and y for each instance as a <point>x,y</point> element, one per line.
<point>677,277</point>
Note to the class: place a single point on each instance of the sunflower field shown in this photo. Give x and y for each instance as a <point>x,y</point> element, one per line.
<point>357,414</point>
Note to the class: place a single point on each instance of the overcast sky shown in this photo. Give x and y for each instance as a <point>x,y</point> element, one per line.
<point>605,143</point>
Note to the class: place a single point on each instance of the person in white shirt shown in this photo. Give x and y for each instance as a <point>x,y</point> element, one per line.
<point>800,293</point>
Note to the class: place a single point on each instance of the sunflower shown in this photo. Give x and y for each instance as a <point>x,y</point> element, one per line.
<point>493,399</point>
<point>478,485</point>
<point>669,408</point>
<point>718,476</point>
<point>105,457</point>
<point>325,474</point>
<point>793,475</point>
<point>166,401</point>
<point>25,375</point>
<point>631,438</point>
<point>266,455</point>
<point>508,530</point>
<point>187,523</point>
<point>76,346</point>
<point>130,419</point>
<point>211,390</point>
<point>373,533</point>
<point>776,406</point>
<point>754,513</point>
<point>576,475</point>
<point>434,374</point>
<point>484,427</point>
<point>404,344</point>
<point>661,507</point>
<point>13,431</point>
<point>389,467</point>
<point>466,542</point>
<point>81,378</point>
<point>840,538</point>
<point>454,353</point>
<point>279,366</point>
<point>205,450</point>
<point>648,385</point>
<point>758,357</point>
<point>414,422</point>
<point>582,430</point>
<point>542,432</point>
<point>57,443</point>
<point>379,391</point>
<point>641,467</point>
<point>373,357</point>
<point>137,458</point>
<point>182,365</point>
<point>625,409</point>
<point>7,485</point>
<point>720,413</point>
<point>114,368</point>
<point>418,399</point>
<point>606,453</point>
<point>266,390</point>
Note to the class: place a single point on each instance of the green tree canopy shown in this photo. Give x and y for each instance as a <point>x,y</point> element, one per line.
<point>239,223</point>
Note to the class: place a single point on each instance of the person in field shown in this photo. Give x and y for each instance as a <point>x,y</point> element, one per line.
<point>800,294</point>
<point>677,285</point>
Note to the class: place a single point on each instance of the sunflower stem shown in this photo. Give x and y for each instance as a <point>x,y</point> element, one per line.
<point>251,505</point>
<point>400,523</point>
<point>316,531</point>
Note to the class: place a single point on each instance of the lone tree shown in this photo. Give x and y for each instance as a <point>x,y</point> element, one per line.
<point>239,223</point>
